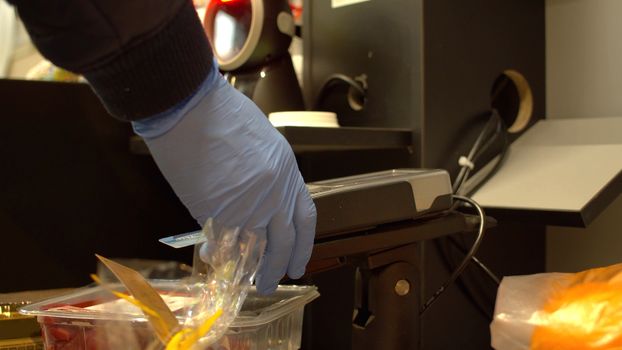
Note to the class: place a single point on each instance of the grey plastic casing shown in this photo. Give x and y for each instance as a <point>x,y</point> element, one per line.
<point>357,202</point>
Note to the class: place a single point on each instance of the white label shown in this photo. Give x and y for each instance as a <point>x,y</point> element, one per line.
<point>184,239</point>
<point>341,3</point>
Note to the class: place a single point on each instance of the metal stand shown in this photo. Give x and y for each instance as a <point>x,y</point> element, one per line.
<point>387,300</point>
<point>388,277</point>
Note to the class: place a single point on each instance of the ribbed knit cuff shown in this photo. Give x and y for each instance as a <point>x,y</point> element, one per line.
<point>158,73</point>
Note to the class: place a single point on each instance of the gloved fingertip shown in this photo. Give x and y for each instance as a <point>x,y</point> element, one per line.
<point>298,273</point>
<point>266,288</point>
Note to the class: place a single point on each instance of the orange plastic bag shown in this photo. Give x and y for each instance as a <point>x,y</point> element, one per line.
<point>560,311</point>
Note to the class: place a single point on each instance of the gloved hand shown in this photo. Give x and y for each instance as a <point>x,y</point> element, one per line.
<point>224,160</point>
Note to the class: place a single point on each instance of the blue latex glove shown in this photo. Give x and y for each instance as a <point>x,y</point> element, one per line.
<point>224,160</point>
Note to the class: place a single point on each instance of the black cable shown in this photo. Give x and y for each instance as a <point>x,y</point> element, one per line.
<point>332,80</point>
<point>486,139</point>
<point>474,289</point>
<point>468,257</point>
<point>477,262</point>
<point>496,167</point>
<point>492,122</point>
<point>494,125</point>
<point>500,130</point>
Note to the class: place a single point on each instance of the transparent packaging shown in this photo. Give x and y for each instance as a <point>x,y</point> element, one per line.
<point>560,311</point>
<point>194,312</point>
<point>71,322</point>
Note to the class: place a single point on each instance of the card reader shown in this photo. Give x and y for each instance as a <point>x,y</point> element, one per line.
<point>357,202</point>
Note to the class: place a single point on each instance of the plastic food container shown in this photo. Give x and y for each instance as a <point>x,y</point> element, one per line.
<point>69,322</point>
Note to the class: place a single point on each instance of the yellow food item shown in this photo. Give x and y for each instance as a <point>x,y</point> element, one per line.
<point>585,315</point>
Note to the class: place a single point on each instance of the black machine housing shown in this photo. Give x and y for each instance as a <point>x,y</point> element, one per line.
<point>267,75</point>
<point>429,66</point>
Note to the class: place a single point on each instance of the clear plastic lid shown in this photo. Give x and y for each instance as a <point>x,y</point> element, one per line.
<point>96,303</point>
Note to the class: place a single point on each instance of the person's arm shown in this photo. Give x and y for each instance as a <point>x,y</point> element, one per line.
<point>140,57</point>
<point>149,61</point>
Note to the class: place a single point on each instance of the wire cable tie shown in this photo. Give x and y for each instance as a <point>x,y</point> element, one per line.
<point>465,162</point>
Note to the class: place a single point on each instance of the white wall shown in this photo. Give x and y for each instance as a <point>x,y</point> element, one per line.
<point>584,79</point>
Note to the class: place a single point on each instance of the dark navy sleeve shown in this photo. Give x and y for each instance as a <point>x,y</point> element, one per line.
<point>141,57</point>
